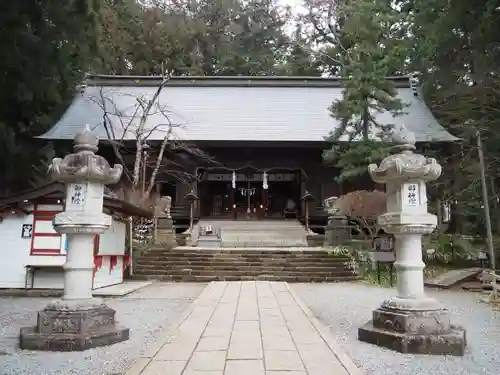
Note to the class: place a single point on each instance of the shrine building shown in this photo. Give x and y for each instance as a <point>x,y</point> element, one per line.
<point>245,146</point>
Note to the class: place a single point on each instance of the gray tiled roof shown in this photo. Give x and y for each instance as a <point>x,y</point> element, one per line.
<point>229,109</point>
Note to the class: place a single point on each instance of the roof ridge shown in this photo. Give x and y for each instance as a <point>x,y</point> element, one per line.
<point>402,81</point>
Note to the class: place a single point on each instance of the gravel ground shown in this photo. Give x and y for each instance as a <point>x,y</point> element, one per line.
<point>345,307</point>
<point>146,312</point>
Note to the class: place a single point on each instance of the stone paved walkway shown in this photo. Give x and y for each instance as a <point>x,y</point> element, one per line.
<point>246,328</point>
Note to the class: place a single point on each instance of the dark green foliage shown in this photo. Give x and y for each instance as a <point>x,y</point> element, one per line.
<point>299,59</point>
<point>50,45</point>
<point>202,37</point>
<point>456,50</point>
<point>354,157</point>
<point>47,48</point>
<point>366,46</point>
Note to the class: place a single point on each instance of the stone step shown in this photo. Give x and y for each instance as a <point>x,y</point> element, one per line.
<point>202,264</point>
<point>252,234</point>
<point>238,264</point>
<point>255,272</point>
<point>290,279</point>
<point>247,252</point>
<point>241,261</point>
<point>251,244</point>
<point>152,268</point>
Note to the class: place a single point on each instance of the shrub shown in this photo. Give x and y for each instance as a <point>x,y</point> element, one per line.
<point>362,208</point>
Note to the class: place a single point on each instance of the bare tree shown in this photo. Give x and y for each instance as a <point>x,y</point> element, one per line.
<point>147,118</point>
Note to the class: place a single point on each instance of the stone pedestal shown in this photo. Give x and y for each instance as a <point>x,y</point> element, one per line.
<point>411,322</point>
<point>418,332</point>
<point>72,326</point>
<point>165,233</point>
<point>337,231</point>
<point>78,321</point>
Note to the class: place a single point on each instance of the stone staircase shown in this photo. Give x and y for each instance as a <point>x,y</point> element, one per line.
<point>258,233</point>
<point>192,264</point>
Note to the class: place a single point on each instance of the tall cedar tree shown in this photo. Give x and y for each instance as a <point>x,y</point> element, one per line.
<point>48,48</point>
<point>455,46</point>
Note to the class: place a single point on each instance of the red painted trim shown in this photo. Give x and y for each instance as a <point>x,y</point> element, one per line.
<point>43,218</point>
<point>97,266</point>
<point>112,255</point>
<point>33,231</point>
<point>125,265</point>
<point>47,250</point>
<point>126,261</point>
<point>96,244</point>
<point>97,258</point>
<point>45,214</point>
<point>47,254</point>
<point>113,262</point>
<point>47,234</point>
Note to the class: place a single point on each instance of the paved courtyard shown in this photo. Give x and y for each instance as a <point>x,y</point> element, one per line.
<point>246,328</point>
<point>149,313</point>
<point>255,328</point>
<point>344,307</point>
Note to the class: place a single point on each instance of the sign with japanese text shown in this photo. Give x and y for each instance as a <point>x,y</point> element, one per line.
<point>76,196</point>
<point>411,195</point>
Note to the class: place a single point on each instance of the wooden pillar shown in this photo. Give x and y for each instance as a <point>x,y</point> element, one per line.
<point>264,202</point>
<point>233,203</point>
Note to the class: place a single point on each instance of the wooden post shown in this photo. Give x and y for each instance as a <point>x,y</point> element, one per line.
<point>487,217</point>
<point>191,198</point>
<point>306,198</point>
<point>130,244</point>
<point>307,215</point>
<point>191,213</point>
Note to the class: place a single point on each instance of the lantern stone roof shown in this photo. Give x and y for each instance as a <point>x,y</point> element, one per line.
<point>57,190</point>
<point>280,109</point>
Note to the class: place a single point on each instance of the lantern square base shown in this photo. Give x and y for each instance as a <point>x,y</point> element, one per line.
<point>68,330</point>
<point>414,332</point>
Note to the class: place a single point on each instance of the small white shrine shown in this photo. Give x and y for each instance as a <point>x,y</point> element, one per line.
<point>33,253</point>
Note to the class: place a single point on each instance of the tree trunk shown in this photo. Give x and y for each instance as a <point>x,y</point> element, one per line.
<point>366,121</point>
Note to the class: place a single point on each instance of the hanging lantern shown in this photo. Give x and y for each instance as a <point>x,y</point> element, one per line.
<point>233,181</point>
<point>265,186</point>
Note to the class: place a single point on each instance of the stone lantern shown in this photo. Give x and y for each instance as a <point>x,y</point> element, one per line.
<point>78,321</point>
<point>191,197</point>
<point>307,198</point>
<point>410,322</point>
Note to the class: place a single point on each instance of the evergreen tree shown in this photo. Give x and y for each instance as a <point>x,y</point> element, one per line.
<point>299,60</point>
<point>200,37</point>
<point>48,47</point>
<point>366,46</point>
<point>455,47</point>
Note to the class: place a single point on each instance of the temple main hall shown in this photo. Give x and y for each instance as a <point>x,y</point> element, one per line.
<point>247,147</point>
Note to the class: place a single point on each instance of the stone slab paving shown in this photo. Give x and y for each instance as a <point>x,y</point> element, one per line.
<point>246,328</point>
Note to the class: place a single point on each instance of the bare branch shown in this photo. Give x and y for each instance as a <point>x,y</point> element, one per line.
<point>106,120</point>
<point>159,159</point>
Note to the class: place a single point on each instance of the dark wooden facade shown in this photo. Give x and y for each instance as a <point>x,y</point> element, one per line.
<point>299,163</point>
